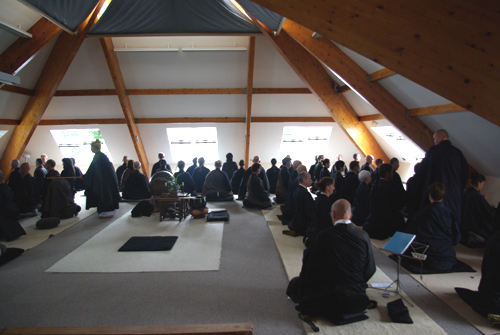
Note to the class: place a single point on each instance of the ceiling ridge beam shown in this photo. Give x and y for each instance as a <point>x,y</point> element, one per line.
<point>116,75</point>
<point>55,68</point>
<point>248,121</point>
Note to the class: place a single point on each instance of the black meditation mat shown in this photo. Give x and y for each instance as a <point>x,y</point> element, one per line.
<point>149,243</point>
<point>415,267</point>
<point>10,254</point>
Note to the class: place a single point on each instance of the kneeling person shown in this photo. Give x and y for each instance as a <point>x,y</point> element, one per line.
<point>257,196</point>
<point>137,185</point>
<point>217,186</point>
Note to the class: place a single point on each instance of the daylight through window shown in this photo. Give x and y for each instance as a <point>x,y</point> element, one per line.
<point>3,132</point>
<point>407,149</point>
<point>303,143</point>
<point>187,143</point>
<point>76,143</point>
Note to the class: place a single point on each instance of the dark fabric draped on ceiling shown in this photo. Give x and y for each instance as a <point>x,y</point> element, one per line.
<point>264,15</point>
<point>137,17</point>
<point>69,13</point>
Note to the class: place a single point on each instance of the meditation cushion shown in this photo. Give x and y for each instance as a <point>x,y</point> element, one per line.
<point>48,223</point>
<point>199,203</point>
<point>218,216</point>
<point>143,208</point>
<point>198,213</point>
<point>10,229</point>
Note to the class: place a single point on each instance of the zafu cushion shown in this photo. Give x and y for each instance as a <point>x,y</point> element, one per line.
<point>48,223</point>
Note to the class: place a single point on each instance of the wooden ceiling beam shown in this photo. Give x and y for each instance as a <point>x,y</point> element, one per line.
<point>186,91</point>
<point>248,121</point>
<point>9,122</point>
<point>281,91</point>
<point>373,117</point>
<point>343,89</point>
<point>59,122</point>
<point>55,68</point>
<point>19,53</point>
<point>17,90</point>
<point>312,73</point>
<point>84,93</point>
<point>374,93</point>
<point>116,75</point>
<point>450,47</point>
<point>277,119</point>
<point>380,74</point>
<point>191,120</point>
<point>439,109</point>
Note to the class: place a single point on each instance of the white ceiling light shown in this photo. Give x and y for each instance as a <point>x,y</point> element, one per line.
<point>154,49</point>
<point>9,79</point>
<point>192,48</point>
<point>15,30</point>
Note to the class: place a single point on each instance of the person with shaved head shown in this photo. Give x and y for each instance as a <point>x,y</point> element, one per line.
<point>217,186</point>
<point>335,270</point>
<point>262,175</point>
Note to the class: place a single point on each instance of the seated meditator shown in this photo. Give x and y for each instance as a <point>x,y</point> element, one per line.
<point>79,183</point>
<point>477,214</point>
<point>128,171</point>
<point>8,209</point>
<point>322,209</point>
<point>257,196</point>
<point>229,166</point>
<point>69,171</point>
<point>352,182</point>
<point>28,201</point>
<point>335,269</point>
<point>283,180</point>
<point>157,165</point>
<point>272,175</point>
<point>293,183</point>
<point>436,227</point>
<point>184,179</point>
<point>199,175</point>
<point>361,204</point>
<point>121,168</point>
<point>39,175</point>
<point>60,201</point>
<point>162,172</point>
<point>217,186</point>
<point>237,177</point>
<point>385,217</point>
<point>15,179</point>
<point>190,169</point>
<point>262,175</point>
<point>51,173</point>
<point>303,206</point>
<point>137,185</point>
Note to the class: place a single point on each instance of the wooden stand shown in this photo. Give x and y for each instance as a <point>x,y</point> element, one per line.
<point>165,202</point>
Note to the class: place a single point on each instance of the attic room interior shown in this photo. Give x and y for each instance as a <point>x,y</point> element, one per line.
<point>252,78</point>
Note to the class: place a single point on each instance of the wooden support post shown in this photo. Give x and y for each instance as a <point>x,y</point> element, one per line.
<point>251,62</point>
<point>310,70</point>
<point>116,74</point>
<point>55,68</point>
<point>355,76</point>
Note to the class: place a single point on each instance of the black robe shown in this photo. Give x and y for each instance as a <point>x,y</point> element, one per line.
<point>317,171</point>
<point>236,179</point>
<point>335,269</point>
<point>443,163</point>
<point>412,196</point>
<point>477,214</point>
<point>282,185</point>
<point>59,201</point>
<point>120,170</point>
<point>436,227</point>
<point>8,209</point>
<point>311,170</point>
<point>272,176</point>
<point>367,167</point>
<point>136,187</point>
<point>217,185</point>
<point>28,199</point>
<point>361,205</point>
<point>398,190</point>
<point>243,186</point>
<point>340,188</point>
<point>352,184</point>
<point>157,166</point>
<point>229,168</point>
<point>199,175</point>
<point>185,180</point>
<point>46,182</point>
<point>101,185</point>
<point>15,184</point>
<point>79,183</point>
<point>70,181</point>
<point>322,218</point>
<point>375,176</point>
<point>324,173</point>
<point>287,208</point>
<point>385,218</point>
<point>190,169</point>
<point>257,196</point>
<point>303,211</point>
<point>39,175</point>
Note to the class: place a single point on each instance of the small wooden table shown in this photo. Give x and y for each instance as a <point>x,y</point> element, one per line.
<point>165,202</point>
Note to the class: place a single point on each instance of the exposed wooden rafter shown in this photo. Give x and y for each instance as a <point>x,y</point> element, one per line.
<point>17,90</point>
<point>191,120</point>
<point>53,72</point>
<point>251,63</point>
<point>373,117</point>
<point>439,109</point>
<point>116,75</point>
<point>452,52</point>
<point>277,119</point>
<point>380,74</point>
<point>281,91</point>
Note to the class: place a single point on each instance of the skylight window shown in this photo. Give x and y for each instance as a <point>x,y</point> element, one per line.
<point>76,143</point>
<point>187,143</point>
<point>407,149</point>
<point>3,132</point>
<point>303,143</point>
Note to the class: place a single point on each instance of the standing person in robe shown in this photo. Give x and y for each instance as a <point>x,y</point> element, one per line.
<point>15,180</point>
<point>477,214</point>
<point>361,204</point>
<point>128,171</point>
<point>325,172</point>
<point>334,169</point>
<point>8,209</point>
<point>51,173</point>
<point>229,165</point>
<point>79,184</point>
<point>190,169</point>
<point>217,186</point>
<point>385,218</point>
<point>335,269</point>
<point>318,168</point>
<point>368,164</point>
<point>411,194</point>
<point>237,177</point>
<point>184,179</point>
<point>303,206</point>
<point>288,208</point>
<point>313,167</point>
<point>28,200</point>
<point>322,209</point>
<point>121,169</point>
<point>272,175</point>
<point>199,175</point>
<point>262,175</point>
<point>294,173</point>
<point>69,171</point>
<point>156,166</point>
<point>283,181</point>
<point>340,182</point>
<point>397,184</point>
<point>137,185</point>
<point>39,175</point>
<point>257,196</point>
<point>443,163</point>
<point>376,175</point>
<point>44,158</point>
<point>436,227</point>
<point>352,182</point>
<point>101,185</point>
<point>356,158</point>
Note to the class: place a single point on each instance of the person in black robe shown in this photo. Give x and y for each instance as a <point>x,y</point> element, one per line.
<point>121,169</point>
<point>283,181</point>
<point>340,182</point>
<point>28,201</point>
<point>436,227</point>
<point>333,172</point>
<point>59,201</point>
<point>375,174</point>
<point>303,206</point>
<point>411,194</point>
<point>443,163</point>
<point>69,171</point>
<point>322,209</point>
<point>477,214</point>
<point>157,165</point>
<point>190,169</point>
<point>15,180</point>
<point>318,168</point>
<point>313,167</point>
<point>101,185</point>
<point>184,179</point>
<point>128,171</point>
<point>335,270</point>
<point>368,165</point>
<point>229,166</point>
<point>287,209</point>
<point>397,185</point>
<point>361,205</point>
<point>262,175</point>
<point>272,175</point>
<point>199,175</point>
<point>51,173</point>
<point>79,184</point>
<point>137,185</point>
<point>8,209</point>
<point>217,186</point>
<point>237,177</point>
<point>257,196</point>
<point>325,172</point>
<point>352,182</point>
<point>385,218</point>
<point>39,175</point>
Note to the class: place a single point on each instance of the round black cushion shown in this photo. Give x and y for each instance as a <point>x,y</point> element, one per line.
<point>48,223</point>
<point>3,249</point>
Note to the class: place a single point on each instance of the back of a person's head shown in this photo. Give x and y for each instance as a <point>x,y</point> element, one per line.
<point>341,207</point>
<point>303,176</point>
<point>286,160</point>
<point>161,155</point>
<point>201,160</point>
<point>339,165</point>
<point>353,165</point>
<point>73,160</point>
<point>379,162</point>
<point>218,164</point>
<point>325,161</point>
<point>25,168</point>
<point>67,163</point>
<point>363,175</point>
<point>385,169</point>
<point>301,168</point>
<point>256,159</point>
<point>273,161</point>
<point>437,191</point>
<point>255,167</point>
<point>137,165</point>
<point>323,183</point>
<point>416,167</point>
<point>163,163</point>
<point>39,161</point>
<point>195,160</point>
<point>241,163</point>
<point>51,163</point>
<point>229,157</point>
<point>393,160</point>
<point>476,178</point>
<point>181,164</point>
<point>130,164</point>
